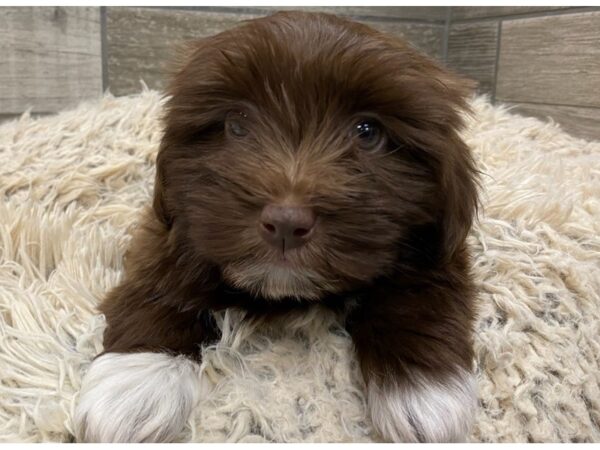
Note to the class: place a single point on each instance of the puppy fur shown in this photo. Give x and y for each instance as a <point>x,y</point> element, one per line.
<point>390,229</point>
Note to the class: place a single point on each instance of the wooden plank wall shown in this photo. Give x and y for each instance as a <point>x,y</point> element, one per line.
<point>50,58</point>
<point>141,41</point>
<point>543,61</point>
<point>53,57</point>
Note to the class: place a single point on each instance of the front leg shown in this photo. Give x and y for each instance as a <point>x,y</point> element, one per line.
<point>144,385</point>
<point>136,397</point>
<point>414,348</point>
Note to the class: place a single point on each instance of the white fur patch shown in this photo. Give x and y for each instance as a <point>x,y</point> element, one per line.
<point>136,397</point>
<point>273,281</point>
<point>425,410</point>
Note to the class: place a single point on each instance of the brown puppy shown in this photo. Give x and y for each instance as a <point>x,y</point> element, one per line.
<point>305,159</point>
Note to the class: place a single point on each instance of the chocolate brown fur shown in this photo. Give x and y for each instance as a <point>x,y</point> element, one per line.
<point>391,224</point>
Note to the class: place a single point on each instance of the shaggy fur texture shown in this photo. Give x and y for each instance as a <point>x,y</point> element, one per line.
<point>336,176</point>
<point>74,184</point>
<point>121,387</point>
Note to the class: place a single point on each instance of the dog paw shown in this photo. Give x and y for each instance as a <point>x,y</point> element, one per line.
<point>424,409</point>
<point>136,397</point>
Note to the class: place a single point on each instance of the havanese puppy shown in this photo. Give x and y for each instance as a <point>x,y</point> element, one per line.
<point>305,159</point>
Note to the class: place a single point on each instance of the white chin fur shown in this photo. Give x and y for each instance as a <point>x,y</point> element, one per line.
<point>425,410</point>
<point>273,281</point>
<point>136,397</point>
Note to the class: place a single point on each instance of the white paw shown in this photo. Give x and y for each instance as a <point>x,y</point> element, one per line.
<point>425,409</point>
<point>136,397</point>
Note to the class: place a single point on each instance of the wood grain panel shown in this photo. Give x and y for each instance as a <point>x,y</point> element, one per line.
<point>425,37</point>
<point>478,12</point>
<point>552,59</point>
<point>142,41</point>
<point>427,13</point>
<point>472,51</point>
<point>50,57</point>
<point>581,122</point>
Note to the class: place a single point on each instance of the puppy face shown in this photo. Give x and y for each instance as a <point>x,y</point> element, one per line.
<point>304,155</point>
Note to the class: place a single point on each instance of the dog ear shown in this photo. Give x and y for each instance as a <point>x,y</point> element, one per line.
<point>459,176</point>
<point>177,119</point>
<point>459,189</point>
<point>447,94</point>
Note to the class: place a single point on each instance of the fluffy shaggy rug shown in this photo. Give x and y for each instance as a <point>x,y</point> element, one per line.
<point>72,187</point>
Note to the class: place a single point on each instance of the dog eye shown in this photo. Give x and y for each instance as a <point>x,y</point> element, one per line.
<point>369,134</point>
<point>235,123</point>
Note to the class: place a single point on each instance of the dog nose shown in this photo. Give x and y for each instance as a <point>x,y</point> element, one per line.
<point>285,226</point>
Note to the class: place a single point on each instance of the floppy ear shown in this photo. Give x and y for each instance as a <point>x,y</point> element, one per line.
<point>446,95</point>
<point>459,175</point>
<point>179,119</point>
<point>459,188</point>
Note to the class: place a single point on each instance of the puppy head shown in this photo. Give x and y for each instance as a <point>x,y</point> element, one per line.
<point>305,154</point>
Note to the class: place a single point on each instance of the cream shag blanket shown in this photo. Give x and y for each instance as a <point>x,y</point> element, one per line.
<point>72,186</point>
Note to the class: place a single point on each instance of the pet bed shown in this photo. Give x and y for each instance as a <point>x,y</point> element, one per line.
<point>72,186</point>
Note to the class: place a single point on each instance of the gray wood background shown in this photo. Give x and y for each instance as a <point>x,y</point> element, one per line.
<point>543,61</point>
<point>50,58</point>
